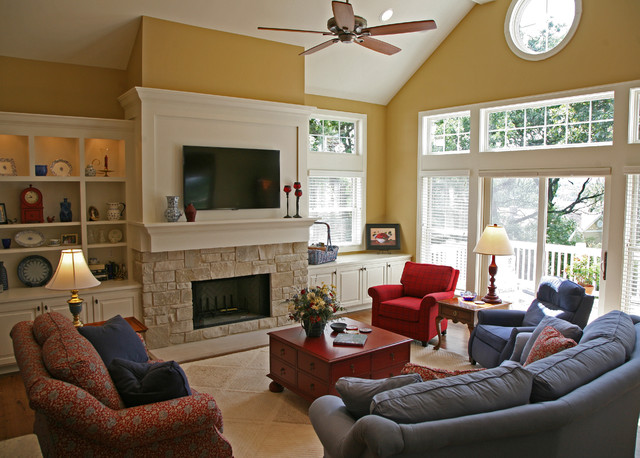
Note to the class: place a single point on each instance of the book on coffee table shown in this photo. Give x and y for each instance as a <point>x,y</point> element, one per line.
<point>357,340</point>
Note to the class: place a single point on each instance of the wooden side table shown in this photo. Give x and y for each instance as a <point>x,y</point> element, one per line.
<point>457,310</point>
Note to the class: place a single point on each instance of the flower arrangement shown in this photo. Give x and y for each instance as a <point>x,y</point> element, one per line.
<point>315,305</point>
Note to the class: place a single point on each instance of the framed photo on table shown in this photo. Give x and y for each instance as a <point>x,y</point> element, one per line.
<point>382,236</point>
<point>3,214</point>
<point>69,239</point>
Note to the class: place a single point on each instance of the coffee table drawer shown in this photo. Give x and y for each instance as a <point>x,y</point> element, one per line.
<point>313,366</point>
<point>312,386</point>
<point>355,367</point>
<point>392,356</point>
<point>283,351</point>
<point>283,371</point>
<point>457,314</point>
<point>390,371</point>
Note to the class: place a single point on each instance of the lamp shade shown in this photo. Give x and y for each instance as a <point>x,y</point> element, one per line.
<point>72,272</point>
<point>494,241</point>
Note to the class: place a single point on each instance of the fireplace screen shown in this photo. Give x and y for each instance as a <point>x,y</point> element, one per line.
<point>230,300</point>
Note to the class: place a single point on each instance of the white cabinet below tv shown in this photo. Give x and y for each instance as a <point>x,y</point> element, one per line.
<point>354,274</point>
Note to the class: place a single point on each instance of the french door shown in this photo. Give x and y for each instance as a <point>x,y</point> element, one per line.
<point>555,225</point>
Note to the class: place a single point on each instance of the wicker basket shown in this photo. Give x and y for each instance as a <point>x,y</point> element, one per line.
<point>327,253</point>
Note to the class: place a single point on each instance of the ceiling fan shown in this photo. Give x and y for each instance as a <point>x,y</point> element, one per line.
<point>346,27</point>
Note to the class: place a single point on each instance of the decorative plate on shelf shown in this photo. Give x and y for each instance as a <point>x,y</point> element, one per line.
<point>7,167</point>
<point>29,239</point>
<point>34,271</point>
<point>61,168</point>
<point>115,235</point>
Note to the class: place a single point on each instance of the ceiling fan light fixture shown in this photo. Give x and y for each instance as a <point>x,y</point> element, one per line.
<point>386,14</point>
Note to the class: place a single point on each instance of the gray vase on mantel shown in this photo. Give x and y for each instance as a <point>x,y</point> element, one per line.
<point>172,213</point>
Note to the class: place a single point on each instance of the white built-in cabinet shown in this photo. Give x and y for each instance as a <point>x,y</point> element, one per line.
<point>354,274</point>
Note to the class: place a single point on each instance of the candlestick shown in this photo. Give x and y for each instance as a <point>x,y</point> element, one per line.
<point>298,193</point>
<point>287,190</point>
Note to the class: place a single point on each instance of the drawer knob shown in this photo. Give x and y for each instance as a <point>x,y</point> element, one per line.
<point>312,387</point>
<point>393,356</point>
<point>282,352</point>
<point>283,371</point>
<point>312,366</point>
<point>455,313</point>
<point>353,369</point>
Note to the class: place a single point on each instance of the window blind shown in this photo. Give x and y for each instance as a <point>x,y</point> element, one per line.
<point>337,201</point>
<point>631,267</point>
<point>444,222</point>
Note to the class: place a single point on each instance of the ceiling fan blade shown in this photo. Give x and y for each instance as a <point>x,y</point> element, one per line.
<point>343,13</point>
<point>319,47</point>
<point>402,27</point>
<point>294,30</point>
<point>380,46</point>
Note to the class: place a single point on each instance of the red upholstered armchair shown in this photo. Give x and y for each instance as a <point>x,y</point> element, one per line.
<point>410,309</point>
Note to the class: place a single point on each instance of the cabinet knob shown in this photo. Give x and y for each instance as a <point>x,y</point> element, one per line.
<point>46,308</point>
<point>312,366</point>
<point>312,387</point>
<point>353,369</point>
<point>95,301</point>
<point>38,308</point>
<point>335,272</point>
<point>282,352</point>
<point>392,355</point>
<point>283,371</point>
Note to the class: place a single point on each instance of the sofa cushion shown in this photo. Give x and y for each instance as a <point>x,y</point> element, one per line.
<point>432,373</point>
<point>422,279</point>
<point>404,308</point>
<point>555,297</point>
<point>357,393</point>
<point>494,336</point>
<point>47,324</point>
<point>501,387</point>
<point>521,340</point>
<point>563,372</point>
<point>569,330</point>
<point>146,383</point>
<point>549,342</point>
<point>614,325</point>
<point>71,358</point>
<point>116,339</point>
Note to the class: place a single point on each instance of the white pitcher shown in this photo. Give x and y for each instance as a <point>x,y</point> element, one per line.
<point>115,210</point>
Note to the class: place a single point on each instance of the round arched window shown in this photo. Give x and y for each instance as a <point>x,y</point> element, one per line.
<point>538,29</point>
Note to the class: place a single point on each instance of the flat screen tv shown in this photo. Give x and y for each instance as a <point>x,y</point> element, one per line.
<point>217,178</point>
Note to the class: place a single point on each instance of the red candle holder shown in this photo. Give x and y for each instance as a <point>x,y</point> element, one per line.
<point>298,194</point>
<point>287,190</point>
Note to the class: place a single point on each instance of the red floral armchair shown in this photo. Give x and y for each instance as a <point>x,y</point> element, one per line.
<point>411,308</point>
<point>79,411</point>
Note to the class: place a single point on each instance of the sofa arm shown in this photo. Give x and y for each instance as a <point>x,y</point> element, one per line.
<point>501,317</point>
<point>343,436</point>
<point>383,293</point>
<point>143,425</point>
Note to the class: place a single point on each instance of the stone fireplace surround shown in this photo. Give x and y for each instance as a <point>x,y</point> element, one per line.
<point>166,286</point>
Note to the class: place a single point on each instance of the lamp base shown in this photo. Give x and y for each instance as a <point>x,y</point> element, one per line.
<point>491,299</point>
<point>75,307</point>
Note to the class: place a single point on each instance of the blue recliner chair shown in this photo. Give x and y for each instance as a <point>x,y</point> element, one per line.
<point>493,339</point>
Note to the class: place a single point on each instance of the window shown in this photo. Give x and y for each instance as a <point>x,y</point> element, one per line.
<point>332,136</point>
<point>538,29</point>
<point>447,134</point>
<point>580,121</point>
<point>336,164</point>
<point>634,116</point>
<point>444,223</point>
<point>631,266</point>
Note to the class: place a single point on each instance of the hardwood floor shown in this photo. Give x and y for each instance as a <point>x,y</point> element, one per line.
<point>16,417</point>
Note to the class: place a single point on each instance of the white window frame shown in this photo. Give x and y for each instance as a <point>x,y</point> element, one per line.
<point>513,15</point>
<point>634,115</point>
<point>343,165</point>
<point>486,112</point>
<point>426,132</point>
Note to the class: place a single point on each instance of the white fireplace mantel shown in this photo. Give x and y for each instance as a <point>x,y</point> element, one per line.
<point>159,237</point>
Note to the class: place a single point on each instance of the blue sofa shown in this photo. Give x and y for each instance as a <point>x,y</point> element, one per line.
<point>583,401</point>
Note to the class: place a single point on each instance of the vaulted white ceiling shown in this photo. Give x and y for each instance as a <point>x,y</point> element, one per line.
<point>102,33</point>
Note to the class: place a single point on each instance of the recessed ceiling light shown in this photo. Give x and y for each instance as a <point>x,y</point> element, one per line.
<point>386,15</point>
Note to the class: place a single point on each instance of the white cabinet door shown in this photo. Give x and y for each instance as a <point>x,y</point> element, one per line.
<point>108,305</point>
<point>394,272</point>
<point>318,276</point>
<point>373,275</point>
<point>350,285</point>
<point>7,320</point>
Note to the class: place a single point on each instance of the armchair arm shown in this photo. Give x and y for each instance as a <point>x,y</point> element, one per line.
<point>501,317</point>
<point>383,293</point>
<point>431,299</point>
<point>132,427</point>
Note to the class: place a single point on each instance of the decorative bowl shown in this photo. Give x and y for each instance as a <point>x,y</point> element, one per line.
<point>468,296</point>
<point>338,327</point>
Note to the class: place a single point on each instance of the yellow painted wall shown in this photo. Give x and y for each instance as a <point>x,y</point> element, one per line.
<point>376,154</point>
<point>134,67</point>
<point>187,58</point>
<point>30,86</point>
<point>474,64</point>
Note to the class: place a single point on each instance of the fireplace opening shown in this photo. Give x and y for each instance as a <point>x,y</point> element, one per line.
<point>230,300</point>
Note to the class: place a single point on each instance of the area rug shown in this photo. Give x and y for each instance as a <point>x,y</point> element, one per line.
<point>258,422</point>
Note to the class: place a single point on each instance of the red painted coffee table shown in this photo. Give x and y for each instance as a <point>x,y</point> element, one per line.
<point>310,366</point>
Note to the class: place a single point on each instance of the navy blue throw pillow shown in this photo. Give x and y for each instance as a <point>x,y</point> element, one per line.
<point>115,339</point>
<point>146,383</point>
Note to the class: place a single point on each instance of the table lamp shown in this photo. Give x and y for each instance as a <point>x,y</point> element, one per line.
<point>494,241</point>
<point>73,274</point>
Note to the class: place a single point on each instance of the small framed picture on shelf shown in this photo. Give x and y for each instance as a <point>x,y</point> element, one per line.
<point>3,214</point>
<point>383,236</point>
<point>69,239</point>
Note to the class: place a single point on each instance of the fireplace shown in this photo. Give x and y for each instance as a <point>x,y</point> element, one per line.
<point>230,300</point>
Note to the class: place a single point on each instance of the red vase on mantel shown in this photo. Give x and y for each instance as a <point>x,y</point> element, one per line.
<point>190,212</point>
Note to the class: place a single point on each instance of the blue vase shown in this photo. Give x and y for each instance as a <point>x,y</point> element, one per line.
<point>65,211</point>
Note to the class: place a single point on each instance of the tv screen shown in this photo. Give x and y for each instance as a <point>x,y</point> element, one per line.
<point>217,178</point>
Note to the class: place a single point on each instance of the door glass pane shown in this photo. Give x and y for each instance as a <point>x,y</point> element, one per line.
<point>575,207</point>
<point>514,205</point>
